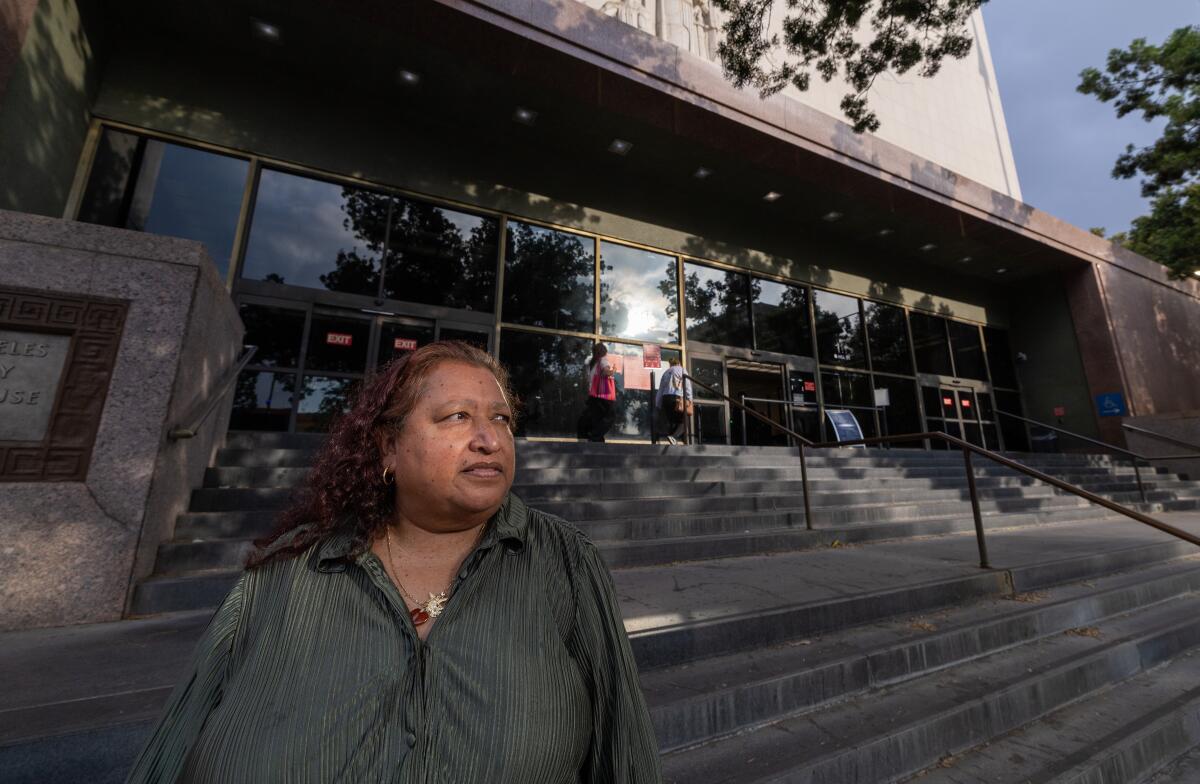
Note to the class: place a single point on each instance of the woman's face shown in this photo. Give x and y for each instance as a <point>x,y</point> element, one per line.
<point>454,460</point>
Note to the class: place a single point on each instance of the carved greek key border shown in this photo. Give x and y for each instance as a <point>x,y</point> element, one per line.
<point>95,326</point>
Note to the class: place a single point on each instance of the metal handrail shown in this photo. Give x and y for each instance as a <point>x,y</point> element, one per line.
<point>967,448</point>
<point>201,411</point>
<point>801,441</point>
<point>1161,437</point>
<point>1113,447</point>
<point>1134,457</point>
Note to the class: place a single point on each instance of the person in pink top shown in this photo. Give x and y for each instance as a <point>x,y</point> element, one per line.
<point>601,408</point>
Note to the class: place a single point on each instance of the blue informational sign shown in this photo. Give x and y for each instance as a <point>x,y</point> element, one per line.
<point>1111,404</point>
<point>845,426</point>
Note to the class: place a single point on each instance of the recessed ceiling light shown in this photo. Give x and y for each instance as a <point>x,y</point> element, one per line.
<point>702,173</point>
<point>831,216</point>
<point>525,116</point>
<point>1196,273</point>
<point>965,259</point>
<point>928,247</point>
<point>885,232</point>
<point>772,196</point>
<point>265,31</point>
<point>408,77</point>
<point>620,146</point>
<point>1001,270</point>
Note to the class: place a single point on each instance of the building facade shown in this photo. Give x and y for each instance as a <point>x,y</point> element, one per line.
<point>537,176</point>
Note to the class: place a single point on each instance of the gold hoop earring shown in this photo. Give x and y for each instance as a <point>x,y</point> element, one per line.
<point>388,478</point>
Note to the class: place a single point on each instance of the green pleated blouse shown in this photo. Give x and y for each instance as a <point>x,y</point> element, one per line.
<point>311,671</point>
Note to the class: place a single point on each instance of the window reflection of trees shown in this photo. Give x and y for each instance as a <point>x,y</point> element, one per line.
<point>888,338</point>
<point>781,318</point>
<point>549,278</point>
<point>839,330</point>
<point>549,378</point>
<point>322,400</point>
<point>718,307</point>
<point>440,257</point>
<point>366,217</point>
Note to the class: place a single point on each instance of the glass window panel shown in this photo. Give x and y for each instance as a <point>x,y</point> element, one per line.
<point>639,297</point>
<point>807,422</point>
<point>718,306</point>
<point>901,415</point>
<point>151,185</point>
<point>966,405</point>
<point>992,441</point>
<point>938,426</point>
<point>316,234</point>
<point>109,189</point>
<point>803,387</point>
<point>397,339</point>
<point>476,338</point>
<point>1011,430</point>
<point>278,333</point>
<point>262,400</point>
<point>846,389</point>
<point>781,317</point>
<point>932,397</point>
<point>633,401</point>
<point>439,256</point>
<point>929,344</point>
<point>549,377</point>
<point>985,406</point>
<point>710,372</point>
<point>839,330</point>
<point>888,338</point>
<point>968,351</point>
<point>972,434</point>
<point>337,344</point>
<point>999,355</point>
<point>323,399</point>
<point>710,425</point>
<point>549,278</point>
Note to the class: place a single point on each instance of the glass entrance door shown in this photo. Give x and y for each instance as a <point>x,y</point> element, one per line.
<point>963,412</point>
<point>758,386</point>
<point>311,360</point>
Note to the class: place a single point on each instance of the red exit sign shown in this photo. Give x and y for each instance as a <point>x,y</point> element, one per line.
<point>405,344</point>
<point>339,338</point>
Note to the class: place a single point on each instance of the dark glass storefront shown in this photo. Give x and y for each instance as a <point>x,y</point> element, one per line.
<point>334,278</point>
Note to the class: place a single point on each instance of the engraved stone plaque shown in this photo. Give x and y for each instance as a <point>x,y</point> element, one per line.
<point>31,364</point>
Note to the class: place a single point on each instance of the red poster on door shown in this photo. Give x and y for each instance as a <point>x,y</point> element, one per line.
<point>810,386</point>
<point>651,355</point>
<point>339,338</point>
<point>1060,411</point>
<point>405,344</point>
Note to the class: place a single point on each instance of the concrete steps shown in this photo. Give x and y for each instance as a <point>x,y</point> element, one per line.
<point>869,649</point>
<point>900,728</point>
<point>899,648</point>
<point>698,701</point>
<point>654,505</point>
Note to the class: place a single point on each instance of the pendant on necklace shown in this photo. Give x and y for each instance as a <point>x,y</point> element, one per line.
<point>430,609</point>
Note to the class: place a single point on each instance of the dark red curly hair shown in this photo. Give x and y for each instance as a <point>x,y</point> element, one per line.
<point>345,492</point>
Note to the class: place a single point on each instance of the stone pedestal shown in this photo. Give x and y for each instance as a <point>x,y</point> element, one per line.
<point>80,526</point>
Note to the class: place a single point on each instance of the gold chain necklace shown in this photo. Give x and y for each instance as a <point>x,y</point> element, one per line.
<point>436,603</point>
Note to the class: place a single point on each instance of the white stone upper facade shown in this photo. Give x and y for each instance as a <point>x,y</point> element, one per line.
<point>954,120</point>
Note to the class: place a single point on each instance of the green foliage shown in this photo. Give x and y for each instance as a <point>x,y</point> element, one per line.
<point>824,36</point>
<point>1159,82</point>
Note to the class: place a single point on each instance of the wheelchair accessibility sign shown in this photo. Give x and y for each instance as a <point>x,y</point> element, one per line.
<point>1111,404</point>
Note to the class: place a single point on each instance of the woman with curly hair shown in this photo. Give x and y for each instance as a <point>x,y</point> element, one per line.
<point>411,620</point>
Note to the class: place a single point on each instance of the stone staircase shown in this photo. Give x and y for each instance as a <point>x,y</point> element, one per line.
<point>871,649</point>
<point>657,505</point>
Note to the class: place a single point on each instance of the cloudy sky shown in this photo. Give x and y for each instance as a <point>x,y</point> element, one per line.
<point>1065,143</point>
